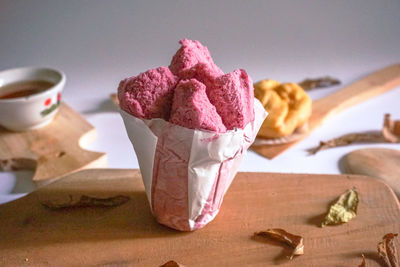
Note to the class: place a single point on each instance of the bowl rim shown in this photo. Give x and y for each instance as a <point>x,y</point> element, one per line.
<point>48,91</point>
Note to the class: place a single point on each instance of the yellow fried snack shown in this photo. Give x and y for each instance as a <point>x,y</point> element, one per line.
<point>287,104</point>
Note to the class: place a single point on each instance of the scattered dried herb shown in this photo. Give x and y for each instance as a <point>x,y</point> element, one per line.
<point>390,133</point>
<point>343,210</point>
<point>309,84</point>
<point>17,164</point>
<point>114,99</point>
<point>172,264</point>
<point>368,137</point>
<point>294,241</point>
<point>363,261</point>
<point>86,201</point>
<point>387,250</point>
<point>391,129</point>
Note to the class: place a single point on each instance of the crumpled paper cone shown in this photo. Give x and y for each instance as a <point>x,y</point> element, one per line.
<point>187,172</point>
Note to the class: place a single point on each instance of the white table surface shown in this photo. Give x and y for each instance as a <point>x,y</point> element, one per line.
<point>97,43</point>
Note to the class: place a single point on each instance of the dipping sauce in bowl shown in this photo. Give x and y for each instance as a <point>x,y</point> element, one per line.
<point>29,97</point>
<point>24,88</point>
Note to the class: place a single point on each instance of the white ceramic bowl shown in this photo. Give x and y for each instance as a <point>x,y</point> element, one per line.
<point>33,111</point>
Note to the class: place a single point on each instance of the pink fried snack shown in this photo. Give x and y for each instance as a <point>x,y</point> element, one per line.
<point>189,55</point>
<point>203,73</point>
<point>192,109</point>
<point>233,97</point>
<point>148,95</point>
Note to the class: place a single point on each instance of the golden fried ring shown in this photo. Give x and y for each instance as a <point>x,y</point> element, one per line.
<point>288,107</point>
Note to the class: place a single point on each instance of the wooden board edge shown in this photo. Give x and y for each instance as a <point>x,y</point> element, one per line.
<point>102,173</point>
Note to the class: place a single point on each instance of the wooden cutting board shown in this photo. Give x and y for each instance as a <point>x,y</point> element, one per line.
<point>127,235</point>
<point>370,86</point>
<point>52,151</point>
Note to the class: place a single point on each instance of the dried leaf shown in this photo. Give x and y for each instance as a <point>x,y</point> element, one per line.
<point>390,133</point>
<point>15,164</point>
<point>86,201</point>
<point>114,99</point>
<point>343,210</point>
<point>367,137</point>
<point>391,129</point>
<point>294,241</point>
<point>363,261</point>
<point>172,264</point>
<point>309,84</point>
<point>387,250</point>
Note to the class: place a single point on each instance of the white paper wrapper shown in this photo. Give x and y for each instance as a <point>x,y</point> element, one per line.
<point>186,172</point>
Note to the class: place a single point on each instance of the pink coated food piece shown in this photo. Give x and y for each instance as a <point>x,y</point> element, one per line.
<point>148,95</point>
<point>203,73</point>
<point>189,55</point>
<point>192,109</point>
<point>233,97</point>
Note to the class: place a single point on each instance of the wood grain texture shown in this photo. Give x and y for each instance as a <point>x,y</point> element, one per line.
<point>381,163</point>
<point>127,235</point>
<point>53,151</point>
<point>370,86</point>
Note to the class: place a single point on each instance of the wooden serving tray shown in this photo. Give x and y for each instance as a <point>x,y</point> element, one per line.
<point>127,235</point>
<point>52,151</point>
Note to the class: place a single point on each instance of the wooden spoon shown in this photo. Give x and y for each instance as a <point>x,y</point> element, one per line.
<point>372,85</point>
<point>381,163</point>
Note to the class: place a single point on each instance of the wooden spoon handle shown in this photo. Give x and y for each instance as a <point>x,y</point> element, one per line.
<point>372,85</point>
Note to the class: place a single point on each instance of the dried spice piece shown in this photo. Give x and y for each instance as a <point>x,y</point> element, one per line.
<point>387,250</point>
<point>309,84</point>
<point>17,164</point>
<point>363,261</point>
<point>86,201</point>
<point>294,241</point>
<point>114,99</point>
<point>368,137</point>
<point>391,129</point>
<point>390,133</point>
<point>343,210</point>
<point>172,264</point>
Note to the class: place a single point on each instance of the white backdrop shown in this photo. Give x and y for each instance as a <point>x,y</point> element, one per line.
<point>97,43</point>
